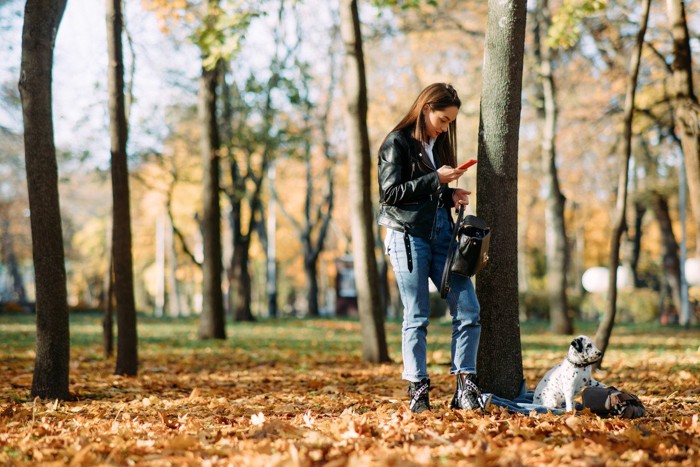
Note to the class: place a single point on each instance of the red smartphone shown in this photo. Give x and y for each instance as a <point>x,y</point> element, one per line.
<point>467,164</point>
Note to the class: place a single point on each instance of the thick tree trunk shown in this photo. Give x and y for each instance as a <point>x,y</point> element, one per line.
<point>500,357</point>
<point>602,337</point>
<point>51,364</point>
<point>374,348</point>
<point>127,341</point>
<point>555,228</point>
<point>212,322</point>
<point>671,262</point>
<point>687,113</point>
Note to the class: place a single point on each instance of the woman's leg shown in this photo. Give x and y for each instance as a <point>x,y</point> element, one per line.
<point>462,302</point>
<point>413,287</point>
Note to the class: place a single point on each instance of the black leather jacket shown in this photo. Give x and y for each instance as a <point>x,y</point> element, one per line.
<point>410,192</point>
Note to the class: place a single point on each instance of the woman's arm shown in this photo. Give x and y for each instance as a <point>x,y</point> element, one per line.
<point>395,170</point>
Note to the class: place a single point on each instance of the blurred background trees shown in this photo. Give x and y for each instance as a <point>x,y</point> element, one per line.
<point>279,103</point>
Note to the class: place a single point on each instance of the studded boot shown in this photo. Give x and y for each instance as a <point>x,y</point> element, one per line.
<point>419,394</point>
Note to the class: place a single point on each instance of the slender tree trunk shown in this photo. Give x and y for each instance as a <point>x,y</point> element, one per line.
<point>127,351</point>
<point>8,254</point>
<point>271,247</point>
<point>602,337</point>
<point>500,356</point>
<point>634,244</point>
<point>240,287</point>
<point>687,109</point>
<point>51,364</point>
<point>107,319</point>
<point>383,271</point>
<point>671,262</point>
<point>212,322</point>
<point>174,294</point>
<point>374,348</point>
<point>555,228</point>
<point>311,272</point>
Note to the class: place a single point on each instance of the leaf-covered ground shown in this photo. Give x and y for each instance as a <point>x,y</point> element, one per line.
<point>297,393</point>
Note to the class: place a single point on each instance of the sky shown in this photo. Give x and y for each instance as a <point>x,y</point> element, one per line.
<point>165,73</point>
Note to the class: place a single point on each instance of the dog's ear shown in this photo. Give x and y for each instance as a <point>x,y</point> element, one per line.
<point>577,344</point>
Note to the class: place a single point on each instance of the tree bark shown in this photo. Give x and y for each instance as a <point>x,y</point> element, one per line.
<point>241,292</point>
<point>127,340</point>
<point>108,315</point>
<point>374,348</point>
<point>556,245</point>
<point>671,261</point>
<point>687,109</point>
<point>602,337</point>
<point>500,356</point>
<point>212,323</point>
<point>10,259</point>
<point>51,364</point>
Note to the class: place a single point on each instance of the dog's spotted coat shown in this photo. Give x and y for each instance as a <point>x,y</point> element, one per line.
<point>562,383</point>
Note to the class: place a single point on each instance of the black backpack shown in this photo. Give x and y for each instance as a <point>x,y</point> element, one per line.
<point>611,402</point>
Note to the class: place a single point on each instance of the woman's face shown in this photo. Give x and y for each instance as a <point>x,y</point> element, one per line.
<point>438,121</point>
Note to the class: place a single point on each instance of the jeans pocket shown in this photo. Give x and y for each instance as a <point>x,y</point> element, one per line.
<point>388,241</point>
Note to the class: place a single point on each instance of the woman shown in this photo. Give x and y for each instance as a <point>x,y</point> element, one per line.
<point>417,160</point>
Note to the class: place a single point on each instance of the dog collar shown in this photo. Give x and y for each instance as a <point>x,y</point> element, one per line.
<point>582,365</point>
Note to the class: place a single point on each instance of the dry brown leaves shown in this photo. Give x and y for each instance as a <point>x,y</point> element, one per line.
<point>219,406</point>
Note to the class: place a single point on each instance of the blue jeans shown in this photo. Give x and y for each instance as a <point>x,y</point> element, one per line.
<point>428,261</point>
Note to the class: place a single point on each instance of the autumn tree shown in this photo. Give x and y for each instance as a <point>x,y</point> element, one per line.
<point>500,356</point>
<point>51,364</point>
<point>248,121</point>
<point>211,324</point>
<point>556,245</point>
<point>312,228</point>
<point>687,108</point>
<point>127,350</point>
<point>602,337</point>
<point>374,347</point>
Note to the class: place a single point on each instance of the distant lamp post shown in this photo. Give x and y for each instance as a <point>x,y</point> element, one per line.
<point>595,280</point>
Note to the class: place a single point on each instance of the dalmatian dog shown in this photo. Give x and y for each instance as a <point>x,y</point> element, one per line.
<point>565,380</point>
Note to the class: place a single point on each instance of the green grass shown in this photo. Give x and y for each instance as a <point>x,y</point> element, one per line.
<point>286,339</point>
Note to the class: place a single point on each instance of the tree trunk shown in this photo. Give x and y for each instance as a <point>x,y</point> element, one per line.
<point>240,293</point>
<point>602,337</point>
<point>175,307</point>
<point>212,323</point>
<point>310,269</point>
<point>271,247</point>
<point>633,247</point>
<point>500,356</point>
<point>51,364</point>
<point>107,318</point>
<point>556,246</point>
<point>374,348</point>
<point>687,109</point>
<point>127,352</point>
<point>8,256</point>
<point>671,262</point>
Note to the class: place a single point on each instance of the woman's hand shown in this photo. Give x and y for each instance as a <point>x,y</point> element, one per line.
<point>448,174</point>
<point>460,196</point>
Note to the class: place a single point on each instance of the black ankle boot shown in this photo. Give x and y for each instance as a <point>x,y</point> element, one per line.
<point>419,394</point>
<point>468,395</point>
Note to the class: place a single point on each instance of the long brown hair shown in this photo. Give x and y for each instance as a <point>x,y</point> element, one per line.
<point>438,96</point>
